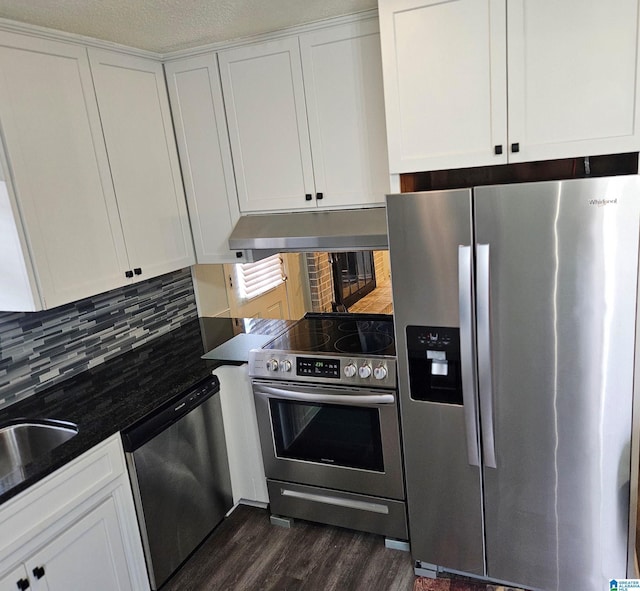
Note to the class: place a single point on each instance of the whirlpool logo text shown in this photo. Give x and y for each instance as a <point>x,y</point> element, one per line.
<point>603,202</point>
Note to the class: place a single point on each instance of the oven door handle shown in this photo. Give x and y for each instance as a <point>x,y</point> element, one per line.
<point>344,399</point>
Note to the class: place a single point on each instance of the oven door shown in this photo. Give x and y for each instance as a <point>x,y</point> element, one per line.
<point>335,437</point>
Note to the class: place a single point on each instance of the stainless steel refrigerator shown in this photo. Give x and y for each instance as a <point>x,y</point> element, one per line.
<point>515,319</point>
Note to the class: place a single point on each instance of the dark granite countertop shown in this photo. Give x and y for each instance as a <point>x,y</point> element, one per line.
<point>121,391</point>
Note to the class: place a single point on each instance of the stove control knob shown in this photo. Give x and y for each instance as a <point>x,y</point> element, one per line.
<point>380,372</point>
<point>364,371</point>
<point>272,365</point>
<point>350,370</point>
<point>285,365</point>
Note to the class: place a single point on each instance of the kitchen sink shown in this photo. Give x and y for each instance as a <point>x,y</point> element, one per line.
<point>24,441</point>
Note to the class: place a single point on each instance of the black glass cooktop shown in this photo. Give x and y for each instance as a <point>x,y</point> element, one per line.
<point>344,334</point>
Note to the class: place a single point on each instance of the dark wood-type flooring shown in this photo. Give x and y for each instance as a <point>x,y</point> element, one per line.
<point>246,552</point>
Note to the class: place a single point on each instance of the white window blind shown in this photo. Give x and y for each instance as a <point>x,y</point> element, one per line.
<point>254,279</point>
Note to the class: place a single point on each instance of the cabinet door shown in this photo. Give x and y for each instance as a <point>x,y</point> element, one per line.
<point>88,555</point>
<point>59,168</point>
<point>264,102</point>
<point>15,580</point>
<point>134,110</point>
<point>18,290</point>
<point>205,155</point>
<point>573,74</point>
<point>444,82</point>
<point>342,71</point>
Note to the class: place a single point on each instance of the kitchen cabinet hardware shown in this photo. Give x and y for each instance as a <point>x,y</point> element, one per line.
<point>308,197</point>
<point>38,572</point>
<point>23,584</point>
<point>138,271</point>
<point>497,150</point>
<point>515,147</point>
<point>319,196</point>
<point>238,254</point>
<point>128,274</point>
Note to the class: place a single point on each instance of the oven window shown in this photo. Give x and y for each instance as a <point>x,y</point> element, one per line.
<point>327,433</point>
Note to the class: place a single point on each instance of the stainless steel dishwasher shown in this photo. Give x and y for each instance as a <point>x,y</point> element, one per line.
<point>179,473</point>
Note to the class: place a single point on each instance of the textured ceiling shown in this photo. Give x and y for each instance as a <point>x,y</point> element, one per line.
<point>168,25</point>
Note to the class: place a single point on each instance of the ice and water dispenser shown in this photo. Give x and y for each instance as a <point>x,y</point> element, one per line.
<point>434,364</point>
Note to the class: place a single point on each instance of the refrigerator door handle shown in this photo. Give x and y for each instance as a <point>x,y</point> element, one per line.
<point>485,377</point>
<point>469,394</point>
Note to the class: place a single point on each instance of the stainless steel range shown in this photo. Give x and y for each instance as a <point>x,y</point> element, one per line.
<point>326,401</point>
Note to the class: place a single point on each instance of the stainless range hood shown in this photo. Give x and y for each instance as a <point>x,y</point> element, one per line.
<point>331,231</point>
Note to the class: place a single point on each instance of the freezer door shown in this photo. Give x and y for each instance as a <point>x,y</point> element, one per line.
<point>428,267</point>
<point>556,295</point>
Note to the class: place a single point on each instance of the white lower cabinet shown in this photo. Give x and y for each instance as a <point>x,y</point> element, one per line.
<point>88,555</point>
<point>76,529</point>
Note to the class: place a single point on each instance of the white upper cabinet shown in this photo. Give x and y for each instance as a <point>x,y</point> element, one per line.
<point>59,170</point>
<point>480,82</point>
<point>445,82</point>
<point>306,119</point>
<point>264,101</point>
<point>205,155</point>
<point>90,187</point>
<point>136,121</point>
<point>573,78</point>
<point>342,71</point>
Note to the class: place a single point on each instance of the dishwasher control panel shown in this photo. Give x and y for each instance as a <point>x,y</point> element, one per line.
<point>171,411</point>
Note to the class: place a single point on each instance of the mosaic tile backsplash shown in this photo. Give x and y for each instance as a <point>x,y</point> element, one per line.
<point>40,349</point>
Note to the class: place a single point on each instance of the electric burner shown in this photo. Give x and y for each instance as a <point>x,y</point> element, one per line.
<point>352,326</point>
<point>354,334</point>
<point>307,338</point>
<point>324,323</point>
<point>369,343</point>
